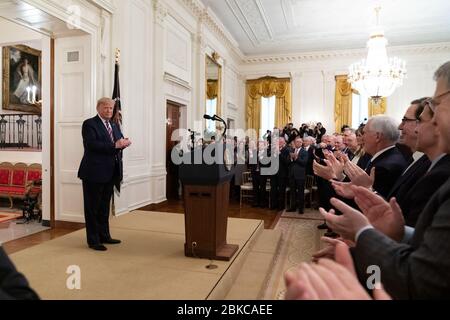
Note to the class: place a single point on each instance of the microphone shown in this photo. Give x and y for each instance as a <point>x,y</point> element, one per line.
<point>217,118</point>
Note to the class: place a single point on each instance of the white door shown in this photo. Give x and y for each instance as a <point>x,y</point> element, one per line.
<point>73,104</point>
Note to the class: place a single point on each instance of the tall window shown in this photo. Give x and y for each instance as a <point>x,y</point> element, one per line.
<point>267,114</point>
<point>211,109</point>
<point>360,109</point>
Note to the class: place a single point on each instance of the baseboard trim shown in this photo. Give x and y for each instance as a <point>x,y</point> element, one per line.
<point>69,225</point>
<point>154,206</point>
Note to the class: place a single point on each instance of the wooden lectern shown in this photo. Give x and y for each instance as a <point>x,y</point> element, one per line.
<point>206,191</point>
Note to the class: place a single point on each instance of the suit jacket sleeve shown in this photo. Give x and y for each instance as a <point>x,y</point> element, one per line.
<point>408,272</point>
<point>93,143</point>
<point>13,285</point>
<point>302,158</point>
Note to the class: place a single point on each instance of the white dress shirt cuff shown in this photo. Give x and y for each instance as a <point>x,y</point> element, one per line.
<point>361,231</point>
<point>409,232</point>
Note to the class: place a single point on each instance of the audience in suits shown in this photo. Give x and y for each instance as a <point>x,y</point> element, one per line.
<point>414,263</point>
<point>438,172</point>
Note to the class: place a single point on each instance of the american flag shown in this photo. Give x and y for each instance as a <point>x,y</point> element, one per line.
<point>117,115</point>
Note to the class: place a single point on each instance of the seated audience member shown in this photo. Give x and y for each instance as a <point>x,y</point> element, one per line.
<point>329,280</point>
<point>13,285</point>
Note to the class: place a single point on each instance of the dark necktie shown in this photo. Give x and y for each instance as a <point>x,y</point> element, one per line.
<point>369,164</point>
<point>108,127</point>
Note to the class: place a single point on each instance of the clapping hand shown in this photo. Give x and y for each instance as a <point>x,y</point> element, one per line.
<point>358,176</point>
<point>347,224</point>
<point>385,217</point>
<point>325,172</point>
<point>328,280</point>
<point>123,143</point>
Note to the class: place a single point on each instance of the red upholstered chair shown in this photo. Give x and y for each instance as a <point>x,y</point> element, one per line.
<point>6,170</point>
<point>18,181</point>
<point>34,180</point>
<point>5,173</point>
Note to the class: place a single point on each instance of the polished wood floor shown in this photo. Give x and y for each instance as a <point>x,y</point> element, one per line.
<point>270,218</point>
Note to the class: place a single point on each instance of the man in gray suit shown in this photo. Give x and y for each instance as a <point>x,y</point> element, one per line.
<point>417,267</point>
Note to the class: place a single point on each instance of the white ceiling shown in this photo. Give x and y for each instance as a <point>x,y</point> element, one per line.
<point>26,15</point>
<point>286,26</point>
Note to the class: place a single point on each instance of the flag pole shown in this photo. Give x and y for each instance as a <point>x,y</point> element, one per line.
<point>113,206</point>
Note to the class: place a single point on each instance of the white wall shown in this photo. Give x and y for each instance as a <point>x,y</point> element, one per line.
<point>25,157</point>
<point>313,82</point>
<point>163,45</point>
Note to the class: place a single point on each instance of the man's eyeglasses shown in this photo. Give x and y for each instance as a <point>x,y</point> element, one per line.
<point>404,120</point>
<point>433,103</point>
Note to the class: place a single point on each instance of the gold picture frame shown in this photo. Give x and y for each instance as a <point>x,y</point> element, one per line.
<point>22,69</point>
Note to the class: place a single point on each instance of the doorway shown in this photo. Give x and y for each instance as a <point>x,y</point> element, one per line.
<point>172,124</point>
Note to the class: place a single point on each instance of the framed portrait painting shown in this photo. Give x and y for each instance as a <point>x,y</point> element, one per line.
<point>22,79</point>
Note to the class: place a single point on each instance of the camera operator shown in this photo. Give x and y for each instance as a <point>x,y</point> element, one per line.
<point>319,132</point>
<point>305,131</point>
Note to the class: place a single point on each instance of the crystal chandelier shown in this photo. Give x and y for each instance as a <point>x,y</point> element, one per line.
<point>377,76</point>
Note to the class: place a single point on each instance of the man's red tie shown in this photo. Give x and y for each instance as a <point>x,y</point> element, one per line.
<point>108,127</point>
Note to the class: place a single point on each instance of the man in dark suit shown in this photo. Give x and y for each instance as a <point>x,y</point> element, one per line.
<point>100,170</point>
<point>380,136</point>
<point>297,175</point>
<point>278,181</point>
<point>420,164</point>
<point>437,174</point>
<point>13,285</point>
<point>418,267</point>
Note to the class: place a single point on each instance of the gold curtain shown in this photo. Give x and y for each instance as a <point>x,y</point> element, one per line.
<point>212,89</point>
<point>267,87</point>
<point>343,103</point>
<point>377,109</point>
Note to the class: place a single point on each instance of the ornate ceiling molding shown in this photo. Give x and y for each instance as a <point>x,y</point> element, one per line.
<point>199,11</point>
<point>105,4</point>
<point>353,53</point>
<point>160,11</point>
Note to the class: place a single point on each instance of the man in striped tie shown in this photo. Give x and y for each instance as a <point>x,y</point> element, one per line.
<point>100,169</point>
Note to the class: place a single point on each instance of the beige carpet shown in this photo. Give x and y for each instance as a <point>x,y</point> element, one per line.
<point>149,264</point>
<point>300,239</point>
